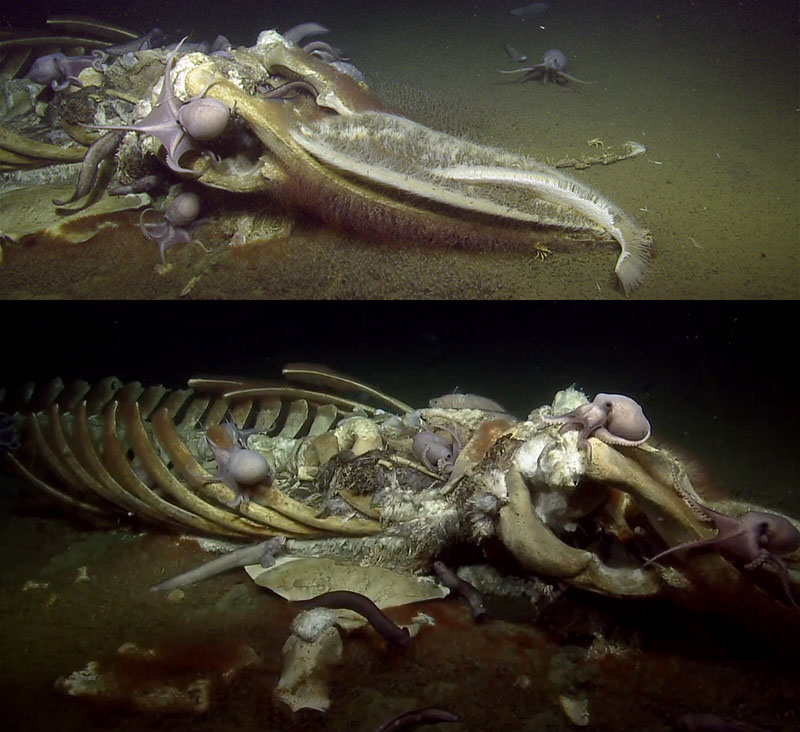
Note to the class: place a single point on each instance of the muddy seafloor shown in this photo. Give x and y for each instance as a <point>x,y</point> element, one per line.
<point>648,664</point>
<point>714,387</point>
<point>710,88</point>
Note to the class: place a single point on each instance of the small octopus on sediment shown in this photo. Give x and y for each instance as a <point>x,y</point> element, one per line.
<point>551,69</point>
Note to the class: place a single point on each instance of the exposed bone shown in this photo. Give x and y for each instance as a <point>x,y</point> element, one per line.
<point>38,150</point>
<point>306,668</point>
<point>359,435</point>
<point>124,474</point>
<point>475,450</point>
<point>101,480</point>
<point>295,419</point>
<point>524,484</point>
<point>322,375</point>
<point>291,392</point>
<point>50,459</point>
<point>278,500</point>
<point>326,415</point>
<point>194,473</point>
<point>529,540</point>
<point>23,472</point>
<point>539,550</point>
<point>670,516</point>
<point>149,457</point>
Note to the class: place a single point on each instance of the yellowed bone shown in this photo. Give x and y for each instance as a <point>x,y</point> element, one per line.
<point>541,551</point>
<point>274,498</point>
<point>668,513</point>
<point>529,540</point>
<point>42,150</point>
<point>205,483</point>
<point>153,464</point>
<point>115,458</point>
<point>322,375</point>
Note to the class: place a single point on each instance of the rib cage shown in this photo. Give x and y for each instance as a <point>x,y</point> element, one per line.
<point>116,449</point>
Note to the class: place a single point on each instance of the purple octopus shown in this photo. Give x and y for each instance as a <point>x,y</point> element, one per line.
<point>60,70</point>
<point>756,538</point>
<point>551,69</point>
<point>180,221</point>
<point>180,126</point>
<point>237,466</point>
<point>436,451</point>
<point>612,418</point>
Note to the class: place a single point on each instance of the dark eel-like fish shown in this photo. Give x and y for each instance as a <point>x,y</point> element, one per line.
<point>428,715</point>
<point>452,581</point>
<point>290,87</point>
<point>363,606</point>
<point>98,151</point>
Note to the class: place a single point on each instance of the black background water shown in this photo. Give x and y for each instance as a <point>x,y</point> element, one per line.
<point>241,20</point>
<point>715,379</point>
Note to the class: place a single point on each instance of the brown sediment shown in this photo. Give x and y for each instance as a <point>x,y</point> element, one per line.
<point>313,262</point>
<point>241,557</point>
<point>492,674</point>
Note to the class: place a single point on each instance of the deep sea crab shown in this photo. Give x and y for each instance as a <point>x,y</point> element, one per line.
<point>551,69</point>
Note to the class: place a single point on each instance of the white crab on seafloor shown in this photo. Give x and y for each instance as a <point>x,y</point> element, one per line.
<point>344,483</point>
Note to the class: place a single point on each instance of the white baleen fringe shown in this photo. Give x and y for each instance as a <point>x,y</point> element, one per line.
<point>563,191</point>
<point>401,154</point>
